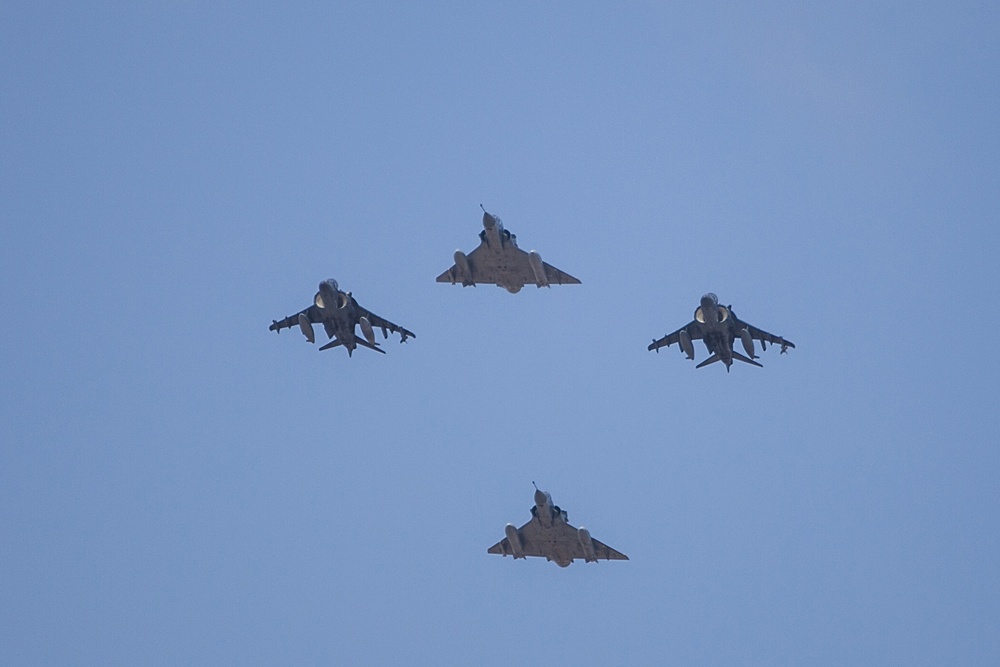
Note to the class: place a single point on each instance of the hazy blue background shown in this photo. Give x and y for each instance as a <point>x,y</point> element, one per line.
<point>180,486</point>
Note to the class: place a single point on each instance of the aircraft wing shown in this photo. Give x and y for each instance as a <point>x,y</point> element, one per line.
<point>312,312</point>
<point>765,337</point>
<point>453,275</point>
<point>604,552</point>
<point>381,323</point>
<point>568,538</point>
<point>449,276</point>
<point>511,266</point>
<point>564,537</point>
<point>692,329</point>
<point>531,542</point>
<point>557,276</point>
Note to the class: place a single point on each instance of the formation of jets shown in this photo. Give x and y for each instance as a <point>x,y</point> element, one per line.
<point>498,261</point>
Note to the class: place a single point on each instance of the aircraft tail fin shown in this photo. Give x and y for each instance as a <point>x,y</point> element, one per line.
<point>333,343</point>
<point>711,360</point>
<point>737,355</point>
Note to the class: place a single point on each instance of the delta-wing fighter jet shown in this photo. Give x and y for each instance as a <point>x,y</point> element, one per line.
<point>499,261</point>
<point>550,535</point>
<point>339,313</point>
<point>719,327</point>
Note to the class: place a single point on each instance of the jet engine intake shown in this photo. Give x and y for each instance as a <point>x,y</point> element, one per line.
<point>343,300</point>
<point>721,314</point>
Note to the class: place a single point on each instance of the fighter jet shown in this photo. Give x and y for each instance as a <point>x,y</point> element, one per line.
<point>719,327</point>
<point>549,534</point>
<point>338,312</point>
<point>499,261</point>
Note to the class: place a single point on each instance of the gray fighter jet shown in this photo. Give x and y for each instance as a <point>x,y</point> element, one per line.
<point>549,534</point>
<point>719,327</point>
<point>499,261</point>
<point>338,312</point>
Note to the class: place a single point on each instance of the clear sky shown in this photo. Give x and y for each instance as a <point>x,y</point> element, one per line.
<point>180,486</point>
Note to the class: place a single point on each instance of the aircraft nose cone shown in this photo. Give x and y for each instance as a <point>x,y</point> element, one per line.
<point>540,498</point>
<point>489,222</point>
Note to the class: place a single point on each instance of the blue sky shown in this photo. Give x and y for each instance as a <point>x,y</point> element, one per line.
<point>179,485</point>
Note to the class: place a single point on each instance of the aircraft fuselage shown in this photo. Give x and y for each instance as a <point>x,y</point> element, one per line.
<point>339,314</point>
<point>716,324</point>
<point>497,239</point>
<point>494,231</point>
<point>543,508</point>
<point>547,515</point>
